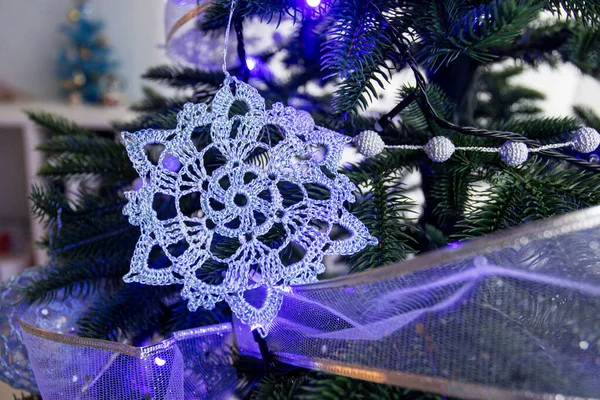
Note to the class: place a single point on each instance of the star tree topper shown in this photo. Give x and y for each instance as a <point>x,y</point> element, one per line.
<point>275,201</point>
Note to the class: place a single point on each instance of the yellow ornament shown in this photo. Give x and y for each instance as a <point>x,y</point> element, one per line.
<point>73,15</point>
<point>79,79</point>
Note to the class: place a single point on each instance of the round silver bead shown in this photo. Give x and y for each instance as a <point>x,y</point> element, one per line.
<point>514,153</point>
<point>439,149</point>
<point>369,143</point>
<point>585,140</point>
<point>304,121</point>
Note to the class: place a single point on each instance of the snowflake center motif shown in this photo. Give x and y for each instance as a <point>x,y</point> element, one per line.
<point>239,199</point>
<point>256,202</point>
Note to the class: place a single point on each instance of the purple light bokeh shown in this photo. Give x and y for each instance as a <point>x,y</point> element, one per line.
<point>171,163</point>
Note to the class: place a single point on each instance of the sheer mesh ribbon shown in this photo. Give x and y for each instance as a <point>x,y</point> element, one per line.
<point>193,364</point>
<point>515,315</point>
<point>510,316</point>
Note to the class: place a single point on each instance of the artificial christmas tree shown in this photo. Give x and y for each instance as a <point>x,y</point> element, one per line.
<point>497,162</point>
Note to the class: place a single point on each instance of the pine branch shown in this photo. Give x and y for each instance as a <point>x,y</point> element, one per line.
<point>324,386</point>
<point>166,120</point>
<point>356,50</point>
<point>185,77</point>
<point>81,227</point>
<point>83,204</point>
<point>96,146</point>
<point>274,387</point>
<point>540,42</point>
<point>450,31</point>
<point>153,102</point>
<point>385,209</point>
<point>546,130</point>
<point>480,132</point>
<point>581,10</point>
<point>501,100</point>
<point>132,310</point>
<point>588,116</point>
<point>76,152</point>
<point>46,202</point>
<point>311,385</point>
<point>503,75</point>
<point>497,212</point>
<point>78,278</point>
<point>450,185</point>
<point>81,165</point>
<point>89,237</point>
<point>57,125</point>
<point>536,191</point>
<point>451,188</point>
<point>215,17</point>
<point>571,41</point>
<point>178,317</point>
<point>416,121</point>
<point>583,49</point>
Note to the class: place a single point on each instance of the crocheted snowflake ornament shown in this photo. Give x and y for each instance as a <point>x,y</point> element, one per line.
<point>275,203</point>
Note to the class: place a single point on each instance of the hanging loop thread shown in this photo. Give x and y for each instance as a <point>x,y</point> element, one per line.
<point>227,31</point>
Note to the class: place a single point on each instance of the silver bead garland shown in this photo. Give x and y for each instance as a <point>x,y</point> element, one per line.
<point>514,153</point>
<point>441,148</point>
<point>585,140</point>
<point>369,143</point>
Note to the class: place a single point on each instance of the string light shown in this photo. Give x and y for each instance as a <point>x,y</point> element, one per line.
<point>251,63</point>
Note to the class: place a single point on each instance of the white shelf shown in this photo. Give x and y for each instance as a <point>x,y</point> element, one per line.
<point>12,118</point>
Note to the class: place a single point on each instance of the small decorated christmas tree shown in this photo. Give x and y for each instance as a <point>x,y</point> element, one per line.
<point>84,60</point>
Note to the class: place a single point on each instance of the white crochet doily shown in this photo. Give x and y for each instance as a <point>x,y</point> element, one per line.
<point>288,200</point>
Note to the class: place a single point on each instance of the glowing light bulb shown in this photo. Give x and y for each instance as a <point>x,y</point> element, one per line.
<point>159,361</point>
<point>313,3</point>
<point>251,63</point>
